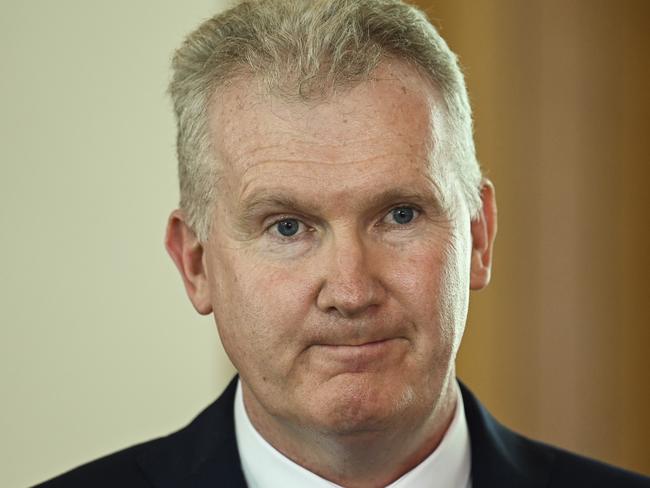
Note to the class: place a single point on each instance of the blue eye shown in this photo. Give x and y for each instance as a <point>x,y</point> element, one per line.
<point>288,227</point>
<point>403,215</point>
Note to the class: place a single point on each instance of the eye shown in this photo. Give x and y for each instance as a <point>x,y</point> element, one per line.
<point>402,215</point>
<point>288,227</point>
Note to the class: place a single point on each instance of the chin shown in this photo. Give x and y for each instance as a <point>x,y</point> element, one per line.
<point>351,404</point>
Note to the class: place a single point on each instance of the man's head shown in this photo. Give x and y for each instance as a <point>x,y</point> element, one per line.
<point>343,237</point>
<point>306,50</point>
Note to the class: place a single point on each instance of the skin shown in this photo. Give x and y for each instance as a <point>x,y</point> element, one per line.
<point>346,333</point>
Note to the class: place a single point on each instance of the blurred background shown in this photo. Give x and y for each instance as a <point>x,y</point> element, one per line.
<point>99,347</point>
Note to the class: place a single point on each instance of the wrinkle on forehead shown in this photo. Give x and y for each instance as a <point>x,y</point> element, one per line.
<point>255,178</point>
<point>305,152</point>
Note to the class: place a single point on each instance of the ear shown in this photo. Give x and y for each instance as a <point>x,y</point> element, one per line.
<point>484,230</point>
<point>187,253</point>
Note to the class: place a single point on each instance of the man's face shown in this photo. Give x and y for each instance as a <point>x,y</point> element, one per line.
<point>338,264</point>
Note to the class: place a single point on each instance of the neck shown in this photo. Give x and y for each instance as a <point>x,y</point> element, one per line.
<point>358,459</point>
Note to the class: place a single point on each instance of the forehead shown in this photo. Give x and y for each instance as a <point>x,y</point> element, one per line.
<point>395,120</point>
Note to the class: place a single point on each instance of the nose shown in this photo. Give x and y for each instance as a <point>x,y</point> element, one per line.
<point>350,283</point>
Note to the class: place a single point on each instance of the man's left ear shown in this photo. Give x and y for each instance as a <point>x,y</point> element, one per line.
<point>484,230</point>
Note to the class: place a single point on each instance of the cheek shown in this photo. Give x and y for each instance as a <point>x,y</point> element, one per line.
<point>258,309</point>
<point>432,284</point>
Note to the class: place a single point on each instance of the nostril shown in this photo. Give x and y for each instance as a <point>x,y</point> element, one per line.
<point>349,298</point>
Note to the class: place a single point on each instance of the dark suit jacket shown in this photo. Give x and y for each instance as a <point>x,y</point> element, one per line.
<point>204,455</point>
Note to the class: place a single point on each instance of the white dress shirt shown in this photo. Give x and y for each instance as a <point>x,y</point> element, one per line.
<point>448,466</point>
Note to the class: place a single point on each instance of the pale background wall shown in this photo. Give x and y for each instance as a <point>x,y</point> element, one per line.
<point>99,348</point>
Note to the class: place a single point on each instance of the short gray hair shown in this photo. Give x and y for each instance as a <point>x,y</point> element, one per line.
<point>303,50</point>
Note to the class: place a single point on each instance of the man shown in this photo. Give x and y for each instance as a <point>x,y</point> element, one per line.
<point>333,218</point>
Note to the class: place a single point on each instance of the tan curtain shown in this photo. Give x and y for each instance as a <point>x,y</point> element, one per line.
<point>558,347</point>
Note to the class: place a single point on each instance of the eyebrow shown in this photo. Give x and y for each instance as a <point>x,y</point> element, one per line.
<point>265,199</point>
<point>395,195</point>
<point>271,199</point>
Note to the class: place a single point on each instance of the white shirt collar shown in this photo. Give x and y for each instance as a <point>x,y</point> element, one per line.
<point>265,467</point>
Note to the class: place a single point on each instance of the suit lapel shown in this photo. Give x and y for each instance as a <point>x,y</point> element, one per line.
<point>500,457</point>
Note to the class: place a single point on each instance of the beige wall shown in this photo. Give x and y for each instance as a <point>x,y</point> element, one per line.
<point>99,348</point>
<point>558,346</point>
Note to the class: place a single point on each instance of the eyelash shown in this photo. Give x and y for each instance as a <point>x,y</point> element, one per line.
<point>416,211</point>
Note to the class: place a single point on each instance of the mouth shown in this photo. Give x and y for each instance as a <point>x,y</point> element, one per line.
<point>368,344</point>
<point>360,356</point>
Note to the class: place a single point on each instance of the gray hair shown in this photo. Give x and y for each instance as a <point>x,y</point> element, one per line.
<point>303,50</point>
